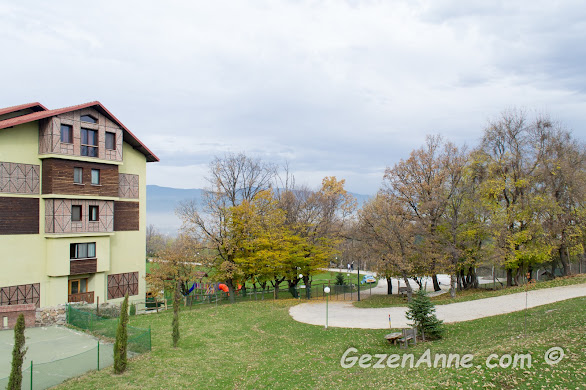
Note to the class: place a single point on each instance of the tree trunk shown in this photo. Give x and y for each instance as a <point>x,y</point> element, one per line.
<point>307,283</point>
<point>408,285</point>
<point>453,285</point>
<point>509,277</point>
<point>473,278</point>
<point>292,284</point>
<point>436,285</point>
<point>564,260</point>
<point>518,274</point>
<point>175,323</point>
<point>463,280</point>
<point>230,284</point>
<point>389,286</point>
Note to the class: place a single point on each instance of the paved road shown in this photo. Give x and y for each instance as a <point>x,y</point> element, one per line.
<point>345,315</point>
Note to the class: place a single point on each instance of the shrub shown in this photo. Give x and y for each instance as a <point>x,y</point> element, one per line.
<point>18,352</point>
<point>340,281</point>
<point>120,346</point>
<point>132,309</point>
<point>422,313</point>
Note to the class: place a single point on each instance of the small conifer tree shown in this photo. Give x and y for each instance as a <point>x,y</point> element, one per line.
<point>176,303</point>
<point>18,352</point>
<point>422,313</point>
<point>340,280</point>
<point>120,346</point>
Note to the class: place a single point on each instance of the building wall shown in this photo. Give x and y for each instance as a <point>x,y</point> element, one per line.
<point>50,134</point>
<point>129,247</point>
<point>44,257</point>
<point>58,216</point>
<point>58,178</point>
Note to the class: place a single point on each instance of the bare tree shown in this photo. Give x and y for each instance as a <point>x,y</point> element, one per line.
<point>425,182</point>
<point>389,234</point>
<point>232,179</point>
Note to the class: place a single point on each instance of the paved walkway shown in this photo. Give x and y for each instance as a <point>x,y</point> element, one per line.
<point>345,315</point>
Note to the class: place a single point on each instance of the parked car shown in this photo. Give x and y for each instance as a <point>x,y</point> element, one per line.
<point>368,279</point>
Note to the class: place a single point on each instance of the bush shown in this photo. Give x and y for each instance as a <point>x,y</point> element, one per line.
<point>18,352</point>
<point>121,344</point>
<point>340,280</point>
<point>132,309</point>
<point>422,313</point>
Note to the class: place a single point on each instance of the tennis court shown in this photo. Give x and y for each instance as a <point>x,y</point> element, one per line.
<point>57,352</point>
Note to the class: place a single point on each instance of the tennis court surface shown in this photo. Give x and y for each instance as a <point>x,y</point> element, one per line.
<point>58,353</point>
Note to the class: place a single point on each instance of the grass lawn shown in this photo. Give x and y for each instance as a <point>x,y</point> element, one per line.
<point>469,295</point>
<point>258,345</point>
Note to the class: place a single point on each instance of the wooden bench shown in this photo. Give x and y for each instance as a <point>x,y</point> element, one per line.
<point>403,290</point>
<point>404,337</point>
<point>393,337</point>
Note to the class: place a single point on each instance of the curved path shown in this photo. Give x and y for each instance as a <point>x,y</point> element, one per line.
<point>345,315</point>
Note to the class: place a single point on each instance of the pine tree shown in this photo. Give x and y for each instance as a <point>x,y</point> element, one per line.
<point>15,381</point>
<point>120,346</point>
<point>340,280</point>
<point>422,313</point>
<point>176,303</point>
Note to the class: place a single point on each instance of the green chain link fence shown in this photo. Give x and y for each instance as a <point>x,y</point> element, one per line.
<point>139,340</point>
<point>45,375</point>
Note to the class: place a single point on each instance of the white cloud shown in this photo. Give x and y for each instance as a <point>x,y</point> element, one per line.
<point>336,88</point>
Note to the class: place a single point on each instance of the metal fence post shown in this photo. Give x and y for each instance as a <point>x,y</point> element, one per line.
<point>98,355</point>
<point>31,375</point>
<point>150,339</point>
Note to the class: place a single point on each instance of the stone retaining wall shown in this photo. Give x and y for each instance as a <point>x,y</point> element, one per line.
<point>53,315</point>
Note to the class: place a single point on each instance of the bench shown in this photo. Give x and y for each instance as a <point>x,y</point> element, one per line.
<point>404,337</point>
<point>393,337</point>
<point>403,290</point>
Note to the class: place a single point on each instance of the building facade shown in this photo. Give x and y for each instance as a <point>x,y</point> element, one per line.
<point>72,206</point>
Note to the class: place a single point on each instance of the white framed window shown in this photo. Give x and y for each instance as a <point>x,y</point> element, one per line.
<point>78,175</point>
<point>94,213</point>
<point>85,250</point>
<point>95,177</point>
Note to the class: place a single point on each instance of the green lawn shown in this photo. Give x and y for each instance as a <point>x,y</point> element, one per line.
<point>258,345</point>
<point>469,295</point>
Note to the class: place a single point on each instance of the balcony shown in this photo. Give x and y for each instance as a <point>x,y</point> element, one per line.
<point>87,297</point>
<point>85,266</point>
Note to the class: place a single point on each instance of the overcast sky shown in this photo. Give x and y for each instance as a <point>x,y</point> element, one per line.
<point>340,88</point>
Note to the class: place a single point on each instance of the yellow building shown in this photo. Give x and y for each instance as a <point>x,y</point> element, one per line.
<point>72,206</point>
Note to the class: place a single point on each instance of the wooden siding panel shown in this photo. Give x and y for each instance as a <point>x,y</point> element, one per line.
<point>21,294</point>
<point>86,266</point>
<point>58,178</point>
<point>19,215</point>
<point>120,284</point>
<point>126,216</point>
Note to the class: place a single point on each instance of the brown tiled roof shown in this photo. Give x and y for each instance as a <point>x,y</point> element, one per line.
<point>128,136</point>
<point>36,106</point>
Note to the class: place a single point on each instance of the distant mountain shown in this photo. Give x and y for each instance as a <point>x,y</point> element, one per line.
<point>162,202</point>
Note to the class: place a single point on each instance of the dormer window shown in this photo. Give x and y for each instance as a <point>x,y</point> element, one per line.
<point>88,118</point>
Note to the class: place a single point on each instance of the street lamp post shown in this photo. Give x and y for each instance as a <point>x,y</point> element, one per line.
<point>298,292</point>
<point>327,291</point>
<point>358,280</point>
